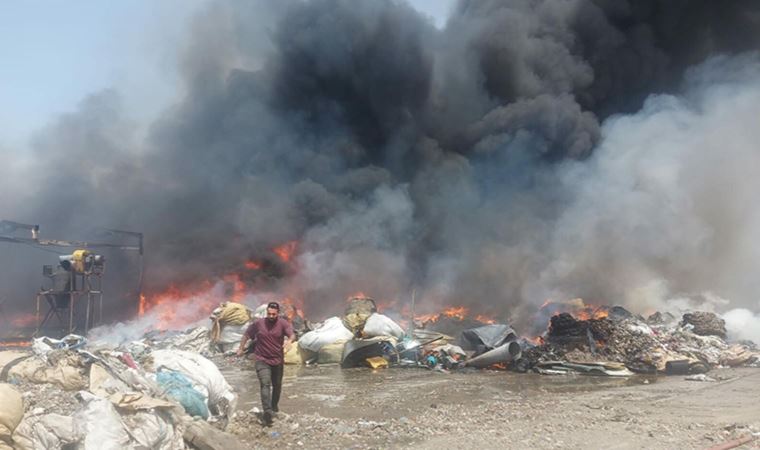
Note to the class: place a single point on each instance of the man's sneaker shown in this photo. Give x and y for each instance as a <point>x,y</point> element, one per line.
<point>267,417</point>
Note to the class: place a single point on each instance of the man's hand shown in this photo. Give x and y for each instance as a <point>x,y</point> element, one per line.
<point>286,345</point>
<point>240,352</point>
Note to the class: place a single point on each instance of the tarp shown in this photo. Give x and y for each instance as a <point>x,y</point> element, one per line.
<point>487,337</point>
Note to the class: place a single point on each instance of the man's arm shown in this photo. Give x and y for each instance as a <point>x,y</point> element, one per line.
<point>250,331</point>
<point>289,337</point>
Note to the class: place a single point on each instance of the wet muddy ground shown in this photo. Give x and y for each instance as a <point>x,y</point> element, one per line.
<point>326,407</point>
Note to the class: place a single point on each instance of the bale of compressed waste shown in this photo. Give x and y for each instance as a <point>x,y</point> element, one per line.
<point>359,309</point>
<point>705,324</point>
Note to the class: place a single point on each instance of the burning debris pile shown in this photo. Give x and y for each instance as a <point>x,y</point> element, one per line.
<point>137,395</point>
<point>659,344</point>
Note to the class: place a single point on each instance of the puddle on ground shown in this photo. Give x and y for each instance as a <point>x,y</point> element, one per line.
<point>362,392</point>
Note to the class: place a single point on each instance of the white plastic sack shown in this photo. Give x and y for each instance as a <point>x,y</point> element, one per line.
<point>100,425</point>
<point>202,373</point>
<point>151,430</point>
<point>232,334</point>
<point>45,432</point>
<point>332,330</point>
<point>11,410</point>
<point>380,325</point>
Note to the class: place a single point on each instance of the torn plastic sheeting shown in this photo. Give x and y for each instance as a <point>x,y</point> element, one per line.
<point>203,374</point>
<point>100,424</point>
<point>196,340</point>
<point>330,331</point>
<point>179,388</point>
<point>502,354</point>
<point>45,432</point>
<point>488,336</point>
<point>44,345</point>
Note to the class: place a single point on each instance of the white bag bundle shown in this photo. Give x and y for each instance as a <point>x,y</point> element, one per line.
<point>202,373</point>
<point>332,330</point>
<point>380,325</point>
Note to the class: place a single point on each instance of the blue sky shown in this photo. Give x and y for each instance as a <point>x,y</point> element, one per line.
<point>55,52</point>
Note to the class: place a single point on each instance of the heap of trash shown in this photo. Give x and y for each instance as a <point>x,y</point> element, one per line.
<point>623,343</point>
<point>73,393</point>
<point>619,344</point>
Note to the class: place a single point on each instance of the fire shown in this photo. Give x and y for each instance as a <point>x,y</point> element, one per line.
<point>23,320</point>
<point>577,308</point>
<point>485,319</point>
<point>286,250</point>
<point>252,265</point>
<point>427,318</point>
<point>15,344</point>
<point>456,312</point>
<point>537,340</point>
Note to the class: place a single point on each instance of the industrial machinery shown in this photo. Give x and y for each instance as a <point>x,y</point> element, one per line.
<point>73,292</point>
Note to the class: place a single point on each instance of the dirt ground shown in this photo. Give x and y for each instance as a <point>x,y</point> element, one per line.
<point>326,407</point>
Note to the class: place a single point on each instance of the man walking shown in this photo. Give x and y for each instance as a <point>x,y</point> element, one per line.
<point>269,340</point>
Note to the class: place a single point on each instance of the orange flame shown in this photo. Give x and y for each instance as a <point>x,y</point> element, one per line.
<point>456,312</point>
<point>577,308</point>
<point>286,250</point>
<point>23,320</point>
<point>252,265</point>
<point>485,319</point>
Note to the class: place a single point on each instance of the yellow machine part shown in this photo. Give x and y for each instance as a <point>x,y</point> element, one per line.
<point>78,260</point>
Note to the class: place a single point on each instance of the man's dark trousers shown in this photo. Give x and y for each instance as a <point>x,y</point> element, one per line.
<point>270,383</point>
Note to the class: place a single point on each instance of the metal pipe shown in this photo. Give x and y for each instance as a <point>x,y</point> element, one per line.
<point>502,354</point>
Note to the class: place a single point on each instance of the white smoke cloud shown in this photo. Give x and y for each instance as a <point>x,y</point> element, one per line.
<point>664,206</point>
<point>742,324</point>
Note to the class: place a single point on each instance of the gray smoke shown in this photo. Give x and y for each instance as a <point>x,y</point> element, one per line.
<point>528,150</point>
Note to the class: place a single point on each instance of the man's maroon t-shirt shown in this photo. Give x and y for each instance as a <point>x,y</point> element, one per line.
<point>268,338</point>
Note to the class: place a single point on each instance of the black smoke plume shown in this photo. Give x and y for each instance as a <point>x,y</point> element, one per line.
<point>459,162</point>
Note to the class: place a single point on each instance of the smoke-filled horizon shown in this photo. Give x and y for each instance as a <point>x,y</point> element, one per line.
<point>527,150</point>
